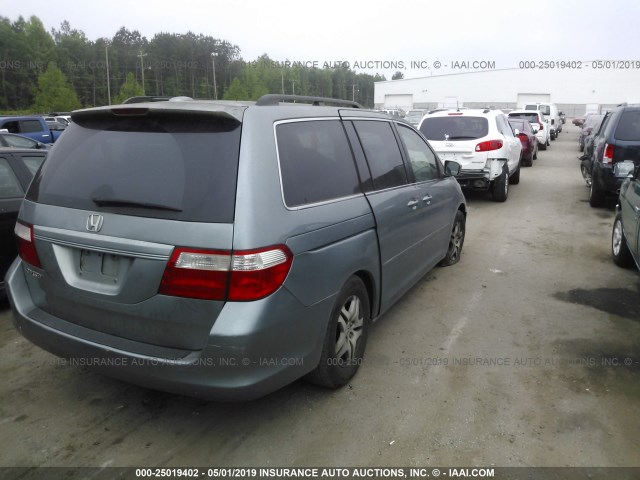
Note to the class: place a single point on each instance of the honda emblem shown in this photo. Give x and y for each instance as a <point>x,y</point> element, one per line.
<point>94,222</point>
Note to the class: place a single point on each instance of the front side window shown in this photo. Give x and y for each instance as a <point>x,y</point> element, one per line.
<point>316,163</point>
<point>423,161</point>
<point>19,142</point>
<point>383,154</point>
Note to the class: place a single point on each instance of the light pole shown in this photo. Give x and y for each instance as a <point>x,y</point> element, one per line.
<point>106,55</point>
<point>142,55</point>
<point>213,65</point>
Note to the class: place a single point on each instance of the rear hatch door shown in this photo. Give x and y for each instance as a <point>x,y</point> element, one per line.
<point>455,137</point>
<point>120,191</point>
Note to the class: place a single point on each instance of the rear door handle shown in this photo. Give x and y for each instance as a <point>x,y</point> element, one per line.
<point>412,203</point>
<point>427,198</point>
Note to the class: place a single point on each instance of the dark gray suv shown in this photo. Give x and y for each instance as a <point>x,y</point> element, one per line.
<point>225,250</point>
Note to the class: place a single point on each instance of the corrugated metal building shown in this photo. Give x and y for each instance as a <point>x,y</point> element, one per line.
<point>570,89</point>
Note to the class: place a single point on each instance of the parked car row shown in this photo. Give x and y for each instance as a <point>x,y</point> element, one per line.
<point>490,146</point>
<point>611,153</point>
<point>299,227</point>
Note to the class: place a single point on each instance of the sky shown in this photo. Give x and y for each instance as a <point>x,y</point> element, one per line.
<point>382,36</point>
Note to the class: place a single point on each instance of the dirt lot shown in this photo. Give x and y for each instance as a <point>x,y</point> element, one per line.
<point>514,357</point>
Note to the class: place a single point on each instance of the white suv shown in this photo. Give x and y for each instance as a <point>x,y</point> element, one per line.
<point>550,111</point>
<point>482,142</point>
<point>539,124</point>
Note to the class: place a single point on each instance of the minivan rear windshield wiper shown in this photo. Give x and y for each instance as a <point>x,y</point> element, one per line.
<point>117,202</point>
<point>462,137</point>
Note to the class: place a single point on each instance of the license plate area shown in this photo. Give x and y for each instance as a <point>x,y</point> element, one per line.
<point>101,267</point>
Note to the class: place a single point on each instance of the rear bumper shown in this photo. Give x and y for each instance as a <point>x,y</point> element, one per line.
<point>604,180</point>
<point>253,349</point>
<point>474,179</point>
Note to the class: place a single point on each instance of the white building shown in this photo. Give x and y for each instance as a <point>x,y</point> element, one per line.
<point>570,89</point>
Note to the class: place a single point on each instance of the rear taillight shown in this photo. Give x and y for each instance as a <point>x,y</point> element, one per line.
<point>489,145</point>
<point>608,153</point>
<point>541,126</point>
<point>26,245</point>
<point>220,275</point>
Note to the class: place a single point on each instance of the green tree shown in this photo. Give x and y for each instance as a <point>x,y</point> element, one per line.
<point>236,91</point>
<point>397,76</point>
<point>130,88</point>
<point>54,93</point>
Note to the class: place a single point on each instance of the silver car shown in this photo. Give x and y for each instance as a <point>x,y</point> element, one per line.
<point>222,250</point>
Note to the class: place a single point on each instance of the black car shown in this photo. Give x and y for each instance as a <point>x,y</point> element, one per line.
<point>17,168</point>
<point>616,152</point>
<point>625,238</point>
<point>591,125</point>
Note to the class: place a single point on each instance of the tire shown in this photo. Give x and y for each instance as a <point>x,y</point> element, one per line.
<point>535,154</point>
<point>456,241</point>
<point>553,136</point>
<point>596,197</point>
<point>529,162</point>
<point>582,147</point>
<point>549,141</point>
<point>542,146</point>
<point>501,186</point>
<point>586,174</point>
<point>346,337</point>
<point>515,177</point>
<point>619,248</point>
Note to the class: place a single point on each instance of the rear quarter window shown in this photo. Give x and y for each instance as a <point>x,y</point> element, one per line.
<point>628,128</point>
<point>30,126</point>
<point>316,164</point>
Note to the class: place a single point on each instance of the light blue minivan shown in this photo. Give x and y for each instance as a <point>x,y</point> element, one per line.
<point>222,250</point>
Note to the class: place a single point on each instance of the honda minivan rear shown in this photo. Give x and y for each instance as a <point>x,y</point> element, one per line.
<point>223,251</point>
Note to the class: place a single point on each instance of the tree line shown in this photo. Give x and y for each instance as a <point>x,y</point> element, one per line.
<point>62,70</point>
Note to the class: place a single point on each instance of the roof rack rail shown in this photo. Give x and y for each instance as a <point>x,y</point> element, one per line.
<point>275,99</point>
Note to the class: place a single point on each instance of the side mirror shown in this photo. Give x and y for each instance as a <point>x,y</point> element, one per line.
<point>534,129</point>
<point>451,168</point>
<point>4,130</point>
<point>516,132</point>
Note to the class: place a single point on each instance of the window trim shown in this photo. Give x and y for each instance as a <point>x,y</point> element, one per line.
<point>324,202</point>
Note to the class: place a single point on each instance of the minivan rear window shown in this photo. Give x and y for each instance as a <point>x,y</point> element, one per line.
<point>454,128</point>
<point>179,167</point>
<point>629,126</point>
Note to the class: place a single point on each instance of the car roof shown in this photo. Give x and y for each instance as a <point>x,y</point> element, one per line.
<point>525,111</point>
<point>231,109</point>
<point>475,112</point>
